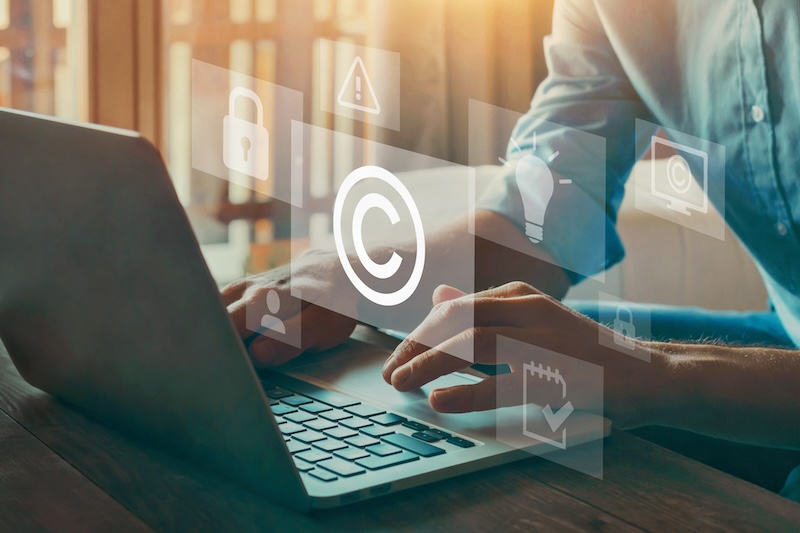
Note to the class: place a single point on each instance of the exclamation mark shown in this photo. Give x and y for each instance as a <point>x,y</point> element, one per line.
<point>358,88</point>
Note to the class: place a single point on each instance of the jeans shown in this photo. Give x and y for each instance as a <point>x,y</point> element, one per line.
<point>668,323</point>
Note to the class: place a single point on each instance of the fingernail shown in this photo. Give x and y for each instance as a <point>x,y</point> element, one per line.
<point>440,397</point>
<point>401,376</point>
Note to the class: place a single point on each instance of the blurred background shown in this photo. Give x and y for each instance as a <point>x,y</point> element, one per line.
<point>127,63</point>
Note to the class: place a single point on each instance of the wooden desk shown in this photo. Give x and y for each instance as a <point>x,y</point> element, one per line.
<point>60,471</point>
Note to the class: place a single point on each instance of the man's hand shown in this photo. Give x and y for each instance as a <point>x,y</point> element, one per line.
<point>315,275</point>
<point>515,310</point>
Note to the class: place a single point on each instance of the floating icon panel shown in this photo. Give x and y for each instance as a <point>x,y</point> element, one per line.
<point>377,218</point>
<point>628,323</point>
<point>360,83</point>
<point>682,179</point>
<point>548,180</point>
<point>241,129</point>
<point>272,314</point>
<point>554,406</point>
<point>245,144</point>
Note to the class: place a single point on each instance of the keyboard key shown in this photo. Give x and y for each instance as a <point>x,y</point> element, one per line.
<point>343,468</point>
<point>315,407</point>
<point>364,410</point>
<point>355,423</point>
<point>281,409</point>
<point>374,462</point>
<point>277,394</point>
<point>295,446</point>
<point>426,436</point>
<point>319,425</point>
<point>266,385</point>
<point>416,426</point>
<point>296,401</point>
<point>308,436</point>
<point>273,402</point>
<point>341,433</point>
<point>313,456</point>
<point>299,417</point>
<point>387,419</point>
<point>330,445</point>
<point>461,443</point>
<point>439,433</point>
<point>335,416</point>
<point>290,428</point>
<point>361,441</point>
<point>351,454</point>
<point>323,475</point>
<point>413,445</point>
<point>376,431</point>
<point>302,465</point>
<point>382,450</point>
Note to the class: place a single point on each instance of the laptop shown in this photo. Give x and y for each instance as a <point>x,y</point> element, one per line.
<point>107,304</point>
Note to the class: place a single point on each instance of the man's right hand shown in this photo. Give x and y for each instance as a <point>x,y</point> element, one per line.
<point>315,275</point>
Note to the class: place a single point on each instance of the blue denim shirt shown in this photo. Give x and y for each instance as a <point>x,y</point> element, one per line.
<point>725,70</point>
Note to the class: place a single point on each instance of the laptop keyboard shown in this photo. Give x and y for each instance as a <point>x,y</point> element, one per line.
<point>333,436</point>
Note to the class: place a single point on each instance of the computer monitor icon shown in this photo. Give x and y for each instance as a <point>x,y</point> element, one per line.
<point>673,181</point>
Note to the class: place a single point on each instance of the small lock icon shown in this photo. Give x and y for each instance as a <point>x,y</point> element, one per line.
<point>624,330</point>
<point>246,144</point>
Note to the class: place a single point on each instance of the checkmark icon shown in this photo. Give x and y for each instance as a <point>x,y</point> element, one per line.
<point>555,420</point>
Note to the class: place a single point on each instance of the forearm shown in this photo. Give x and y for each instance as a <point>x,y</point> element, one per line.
<point>498,261</point>
<point>495,258</point>
<point>456,257</point>
<point>750,395</point>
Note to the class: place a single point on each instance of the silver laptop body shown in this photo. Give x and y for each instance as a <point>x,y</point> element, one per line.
<point>106,303</point>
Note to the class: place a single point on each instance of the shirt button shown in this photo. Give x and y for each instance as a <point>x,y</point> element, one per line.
<point>757,112</point>
<point>781,228</point>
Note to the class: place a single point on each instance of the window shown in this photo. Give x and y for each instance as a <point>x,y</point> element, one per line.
<point>276,41</point>
<point>43,57</point>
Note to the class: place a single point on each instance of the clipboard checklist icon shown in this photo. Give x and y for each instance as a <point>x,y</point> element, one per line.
<point>555,419</point>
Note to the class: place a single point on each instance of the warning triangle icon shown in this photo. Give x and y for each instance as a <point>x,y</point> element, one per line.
<point>357,92</point>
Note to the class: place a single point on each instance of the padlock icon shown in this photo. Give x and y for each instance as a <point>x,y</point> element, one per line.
<point>624,330</point>
<point>246,144</point>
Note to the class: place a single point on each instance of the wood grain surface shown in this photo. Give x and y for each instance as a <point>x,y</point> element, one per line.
<point>86,475</point>
<point>39,491</point>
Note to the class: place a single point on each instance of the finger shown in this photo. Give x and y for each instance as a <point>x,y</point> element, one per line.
<point>233,291</point>
<point>442,294</point>
<point>439,361</point>
<point>451,318</point>
<point>491,393</point>
<point>267,351</point>
<point>248,312</point>
<point>445,293</point>
<point>330,329</point>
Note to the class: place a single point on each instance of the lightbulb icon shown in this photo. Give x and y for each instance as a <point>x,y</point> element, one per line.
<point>536,186</point>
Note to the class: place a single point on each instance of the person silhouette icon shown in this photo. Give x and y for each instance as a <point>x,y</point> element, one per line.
<point>270,321</point>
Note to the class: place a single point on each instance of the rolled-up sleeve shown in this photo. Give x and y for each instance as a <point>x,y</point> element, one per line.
<point>587,97</point>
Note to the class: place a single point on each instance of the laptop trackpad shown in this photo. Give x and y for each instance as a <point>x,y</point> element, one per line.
<point>355,369</point>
